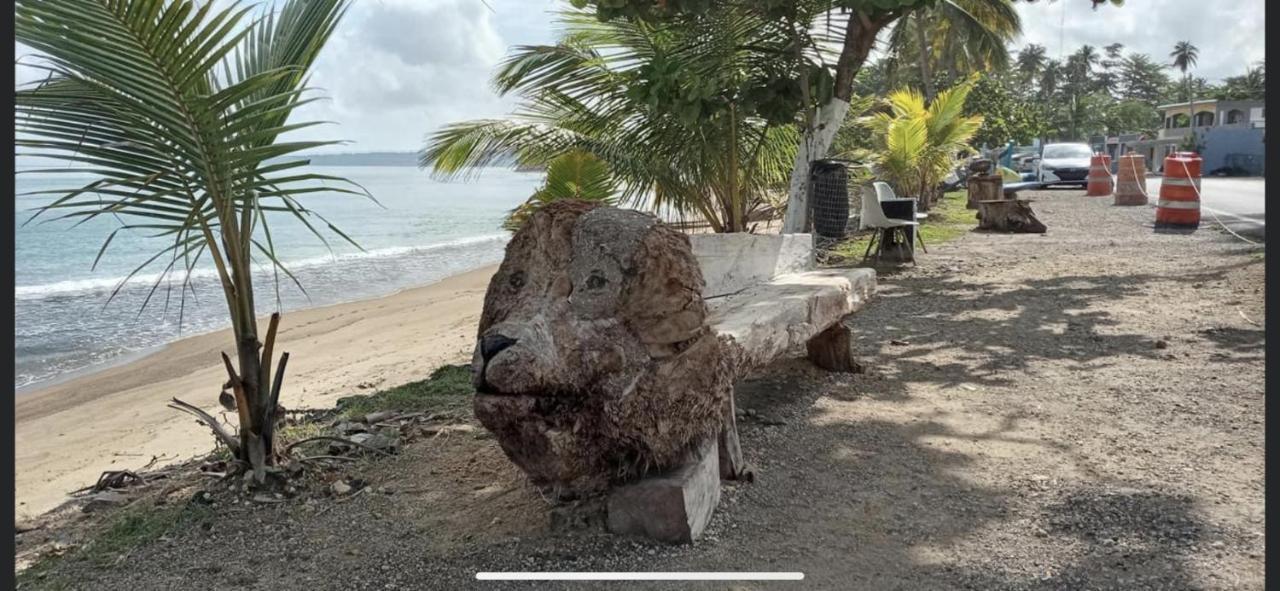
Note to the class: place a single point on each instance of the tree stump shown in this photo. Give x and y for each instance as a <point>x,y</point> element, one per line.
<point>984,188</point>
<point>1009,215</point>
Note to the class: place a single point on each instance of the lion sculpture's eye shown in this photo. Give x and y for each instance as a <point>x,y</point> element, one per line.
<point>516,281</point>
<point>596,281</point>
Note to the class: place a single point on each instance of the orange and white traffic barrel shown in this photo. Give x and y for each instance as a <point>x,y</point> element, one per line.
<point>1179,204</point>
<point>1131,180</point>
<point>1099,177</point>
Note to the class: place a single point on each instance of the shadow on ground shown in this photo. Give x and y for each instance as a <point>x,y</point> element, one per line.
<point>1007,330</point>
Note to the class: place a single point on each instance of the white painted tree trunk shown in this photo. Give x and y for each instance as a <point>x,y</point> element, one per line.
<point>813,146</point>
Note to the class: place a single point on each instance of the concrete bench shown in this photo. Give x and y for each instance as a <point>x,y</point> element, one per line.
<point>765,298</point>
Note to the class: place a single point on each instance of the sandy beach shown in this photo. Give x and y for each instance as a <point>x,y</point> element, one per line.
<point>67,434</point>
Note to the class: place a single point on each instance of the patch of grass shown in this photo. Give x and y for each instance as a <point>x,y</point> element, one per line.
<point>136,527</point>
<point>447,389</point>
<point>948,220</point>
<point>130,529</point>
<point>299,431</point>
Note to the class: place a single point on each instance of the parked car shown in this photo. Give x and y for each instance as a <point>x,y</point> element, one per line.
<point>1025,161</point>
<point>1063,164</point>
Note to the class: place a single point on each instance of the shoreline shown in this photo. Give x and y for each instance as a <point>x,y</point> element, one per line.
<point>68,432</point>
<point>91,369</point>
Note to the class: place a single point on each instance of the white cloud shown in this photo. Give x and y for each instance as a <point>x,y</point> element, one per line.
<point>396,70</point>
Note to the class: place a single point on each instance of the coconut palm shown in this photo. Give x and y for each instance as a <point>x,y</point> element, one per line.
<point>177,108</point>
<point>962,36</point>
<point>660,106</point>
<point>916,143</point>
<point>1088,56</point>
<point>1031,61</point>
<point>1184,56</point>
<point>1050,78</point>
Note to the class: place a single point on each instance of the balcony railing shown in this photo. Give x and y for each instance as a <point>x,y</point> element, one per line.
<point>1176,133</point>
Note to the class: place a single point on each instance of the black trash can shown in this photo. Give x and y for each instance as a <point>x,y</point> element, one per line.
<point>829,198</point>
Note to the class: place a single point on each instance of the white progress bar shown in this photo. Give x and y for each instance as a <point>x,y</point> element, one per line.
<point>713,576</point>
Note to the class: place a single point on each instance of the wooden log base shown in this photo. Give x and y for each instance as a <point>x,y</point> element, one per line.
<point>673,507</point>
<point>1009,215</point>
<point>832,350</point>
<point>732,466</point>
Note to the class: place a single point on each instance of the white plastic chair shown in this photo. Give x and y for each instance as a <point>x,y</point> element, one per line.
<point>884,191</point>
<point>871,216</point>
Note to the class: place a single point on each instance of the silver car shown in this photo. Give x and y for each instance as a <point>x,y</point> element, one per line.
<point>1064,164</point>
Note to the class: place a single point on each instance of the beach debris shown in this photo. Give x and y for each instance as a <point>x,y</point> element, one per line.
<point>380,416</point>
<point>348,427</point>
<point>445,430</point>
<point>202,497</point>
<point>267,499</point>
<point>231,441</point>
<point>117,479</point>
<point>340,440</point>
<point>105,500</point>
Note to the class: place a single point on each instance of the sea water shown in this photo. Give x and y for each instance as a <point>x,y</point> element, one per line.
<point>422,231</point>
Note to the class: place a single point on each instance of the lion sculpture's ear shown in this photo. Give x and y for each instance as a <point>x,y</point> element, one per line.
<point>664,305</point>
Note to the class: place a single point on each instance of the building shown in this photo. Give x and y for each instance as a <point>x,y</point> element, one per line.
<point>1230,134</point>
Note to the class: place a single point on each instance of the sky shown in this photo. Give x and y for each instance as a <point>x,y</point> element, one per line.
<point>397,70</point>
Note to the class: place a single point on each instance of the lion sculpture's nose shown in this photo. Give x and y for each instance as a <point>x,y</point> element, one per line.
<point>492,344</point>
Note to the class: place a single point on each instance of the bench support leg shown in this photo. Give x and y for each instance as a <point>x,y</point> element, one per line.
<point>832,350</point>
<point>732,466</point>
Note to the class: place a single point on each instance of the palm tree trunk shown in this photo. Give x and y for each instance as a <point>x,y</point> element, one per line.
<point>1191,104</point>
<point>926,68</point>
<point>953,72</point>
<point>820,129</point>
<point>737,217</point>
<point>253,394</point>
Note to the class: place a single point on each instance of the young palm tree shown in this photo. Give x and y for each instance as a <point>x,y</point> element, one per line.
<point>916,144</point>
<point>177,108</point>
<point>573,175</point>
<point>659,106</point>
<point>1184,56</point>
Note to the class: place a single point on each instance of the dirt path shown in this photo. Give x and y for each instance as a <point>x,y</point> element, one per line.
<point>1077,410</point>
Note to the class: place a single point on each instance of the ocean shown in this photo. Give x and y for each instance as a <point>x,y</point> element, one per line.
<point>424,231</point>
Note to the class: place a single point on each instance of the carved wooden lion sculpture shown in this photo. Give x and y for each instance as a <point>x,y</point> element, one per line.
<point>594,362</point>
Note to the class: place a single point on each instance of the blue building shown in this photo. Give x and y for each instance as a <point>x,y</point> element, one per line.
<point>1231,136</point>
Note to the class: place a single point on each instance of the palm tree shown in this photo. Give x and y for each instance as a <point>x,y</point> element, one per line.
<point>964,36</point>
<point>1031,61</point>
<point>177,108</point>
<point>573,175</point>
<point>617,90</point>
<point>1088,56</point>
<point>916,142</point>
<point>1050,77</point>
<point>1184,56</point>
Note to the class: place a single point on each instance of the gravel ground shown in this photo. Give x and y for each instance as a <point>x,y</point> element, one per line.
<point>1078,410</point>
